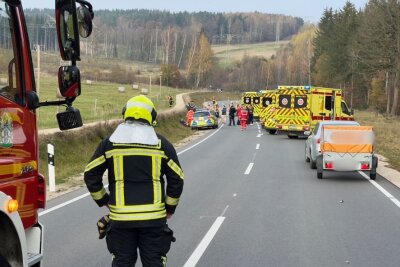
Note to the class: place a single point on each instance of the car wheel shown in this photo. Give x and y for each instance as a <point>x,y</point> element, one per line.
<point>372,175</point>
<point>320,168</point>
<point>305,155</point>
<point>313,163</point>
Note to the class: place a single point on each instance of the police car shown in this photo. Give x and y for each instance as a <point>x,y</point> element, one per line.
<point>204,119</point>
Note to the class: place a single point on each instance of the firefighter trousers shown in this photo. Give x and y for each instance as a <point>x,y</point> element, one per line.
<point>153,244</point>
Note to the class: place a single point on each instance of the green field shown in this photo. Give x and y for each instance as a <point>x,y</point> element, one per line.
<point>229,54</point>
<point>98,101</point>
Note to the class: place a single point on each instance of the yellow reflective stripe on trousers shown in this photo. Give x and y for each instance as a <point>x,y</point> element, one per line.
<point>119,180</point>
<point>138,216</point>
<point>135,152</point>
<point>94,163</point>
<point>176,168</point>
<point>98,195</point>
<point>171,201</point>
<point>137,208</point>
<point>156,167</point>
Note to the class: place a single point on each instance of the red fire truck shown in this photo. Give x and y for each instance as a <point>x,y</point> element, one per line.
<point>22,187</point>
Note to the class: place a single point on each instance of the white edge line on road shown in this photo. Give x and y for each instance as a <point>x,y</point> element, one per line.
<point>201,248</point>
<point>183,151</point>
<point>248,170</point>
<point>380,188</point>
<point>87,194</point>
<point>258,146</point>
<point>63,204</point>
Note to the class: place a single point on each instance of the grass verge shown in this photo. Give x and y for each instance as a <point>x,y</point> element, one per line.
<point>74,149</point>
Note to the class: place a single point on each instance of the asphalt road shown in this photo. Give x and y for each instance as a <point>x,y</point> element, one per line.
<point>250,200</point>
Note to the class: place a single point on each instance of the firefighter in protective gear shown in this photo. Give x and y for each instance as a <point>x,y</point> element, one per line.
<point>145,184</point>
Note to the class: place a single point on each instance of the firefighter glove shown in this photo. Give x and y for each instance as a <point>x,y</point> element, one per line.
<point>102,226</point>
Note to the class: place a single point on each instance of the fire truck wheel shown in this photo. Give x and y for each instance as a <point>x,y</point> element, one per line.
<point>3,262</point>
<point>272,132</point>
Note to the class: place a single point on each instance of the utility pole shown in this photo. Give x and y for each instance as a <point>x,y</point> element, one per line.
<point>150,85</point>
<point>160,83</point>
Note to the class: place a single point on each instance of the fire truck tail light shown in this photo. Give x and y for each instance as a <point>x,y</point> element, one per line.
<point>12,205</point>
<point>41,187</point>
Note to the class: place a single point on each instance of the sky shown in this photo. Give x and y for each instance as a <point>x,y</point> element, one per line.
<point>309,10</point>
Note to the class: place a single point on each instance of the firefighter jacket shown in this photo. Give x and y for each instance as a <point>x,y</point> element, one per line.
<point>136,181</point>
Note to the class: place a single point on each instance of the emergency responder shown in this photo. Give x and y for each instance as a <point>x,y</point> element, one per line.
<point>232,112</point>
<point>137,158</point>
<point>189,117</point>
<point>244,115</point>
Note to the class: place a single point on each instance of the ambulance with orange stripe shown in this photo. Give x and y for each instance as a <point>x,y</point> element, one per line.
<point>267,113</point>
<point>299,108</point>
<point>252,99</point>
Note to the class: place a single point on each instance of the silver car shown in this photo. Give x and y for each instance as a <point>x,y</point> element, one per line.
<point>313,148</point>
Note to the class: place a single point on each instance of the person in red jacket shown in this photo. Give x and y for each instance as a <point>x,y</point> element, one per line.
<point>244,115</point>
<point>238,112</point>
<point>189,117</point>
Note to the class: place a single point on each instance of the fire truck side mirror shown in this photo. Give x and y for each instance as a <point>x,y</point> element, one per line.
<point>85,16</point>
<point>72,22</point>
<point>69,119</point>
<point>69,81</point>
<point>67,29</point>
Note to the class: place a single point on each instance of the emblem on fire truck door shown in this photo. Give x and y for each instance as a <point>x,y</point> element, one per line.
<point>6,130</point>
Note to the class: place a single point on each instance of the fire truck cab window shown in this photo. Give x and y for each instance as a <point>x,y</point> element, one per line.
<point>8,82</point>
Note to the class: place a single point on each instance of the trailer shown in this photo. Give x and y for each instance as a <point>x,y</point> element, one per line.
<point>347,148</point>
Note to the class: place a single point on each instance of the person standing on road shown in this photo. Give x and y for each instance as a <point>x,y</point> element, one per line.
<point>238,113</point>
<point>232,112</point>
<point>251,115</point>
<point>223,114</point>
<point>137,159</point>
<point>244,115</point>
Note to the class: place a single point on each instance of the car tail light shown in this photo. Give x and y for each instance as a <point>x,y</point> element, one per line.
<point>329,165</point>
<point>319,141</point>
<point>364,166</point>
<point>41,187</point>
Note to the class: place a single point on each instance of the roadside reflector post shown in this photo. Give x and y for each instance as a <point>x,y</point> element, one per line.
<point>52,172</point>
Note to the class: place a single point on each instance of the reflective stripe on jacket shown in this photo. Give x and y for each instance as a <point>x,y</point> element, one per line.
<point>136,181</point>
